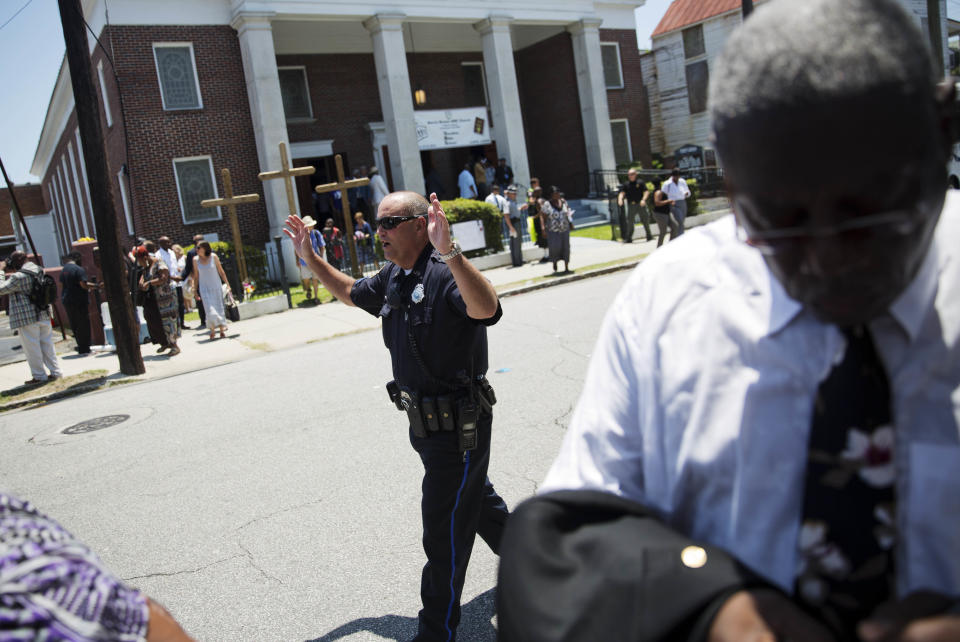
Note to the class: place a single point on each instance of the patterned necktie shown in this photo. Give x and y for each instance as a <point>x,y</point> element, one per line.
<point>848,528</point>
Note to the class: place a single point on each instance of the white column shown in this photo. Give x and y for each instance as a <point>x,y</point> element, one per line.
<point>593,94</point>
<point>266,110</point>
<point>396,100</point>
<point>501,74</point>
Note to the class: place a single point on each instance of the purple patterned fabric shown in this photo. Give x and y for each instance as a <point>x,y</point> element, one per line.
<point>52,587</point>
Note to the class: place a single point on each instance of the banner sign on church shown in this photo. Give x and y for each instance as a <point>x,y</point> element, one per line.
<point>446,128</point>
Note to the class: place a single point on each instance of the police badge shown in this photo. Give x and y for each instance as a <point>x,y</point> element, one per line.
<point>417,295</point>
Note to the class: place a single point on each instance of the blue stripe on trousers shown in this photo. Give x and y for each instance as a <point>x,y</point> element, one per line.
<point>453,549</point>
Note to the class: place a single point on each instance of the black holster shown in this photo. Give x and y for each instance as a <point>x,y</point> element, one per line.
<point>410,403</point>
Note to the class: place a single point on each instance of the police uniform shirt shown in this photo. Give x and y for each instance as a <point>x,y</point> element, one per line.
<point>72,292</point>
<point>428,302</point>
<point>634,190</point>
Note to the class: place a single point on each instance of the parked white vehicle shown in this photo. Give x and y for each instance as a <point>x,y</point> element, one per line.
<point>953,168</point>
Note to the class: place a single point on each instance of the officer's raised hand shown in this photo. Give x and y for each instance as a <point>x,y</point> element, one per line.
<point>300,235</point>
<point>438,228</point>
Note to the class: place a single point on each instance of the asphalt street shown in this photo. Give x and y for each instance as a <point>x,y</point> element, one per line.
<point>277,498</point>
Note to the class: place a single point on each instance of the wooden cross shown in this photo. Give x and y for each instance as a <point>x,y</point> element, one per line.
<point>231,202</point>
<point>287,173</point>
<point>343,185</point>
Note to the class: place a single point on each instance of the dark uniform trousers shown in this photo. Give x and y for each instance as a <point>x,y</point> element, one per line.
<point>516,243</point>
<point>458,503</point>
<point>79,317</point>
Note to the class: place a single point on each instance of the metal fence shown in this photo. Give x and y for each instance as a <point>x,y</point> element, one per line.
<point>709,179</point>
<point>262,273</point>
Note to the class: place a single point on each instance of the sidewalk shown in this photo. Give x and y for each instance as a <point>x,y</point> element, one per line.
<point>300,326</point>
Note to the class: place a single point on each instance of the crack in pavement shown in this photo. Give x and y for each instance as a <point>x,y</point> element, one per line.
<point>187,572</point>
<point>554,367</point>
<point>249,554</point>
<point>279,512</point>
<point>253,563</point>
<point>563,341</point>
<point>536,484</point>
<point>559,420</point>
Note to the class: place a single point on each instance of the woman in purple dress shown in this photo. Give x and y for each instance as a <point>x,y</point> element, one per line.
<point>52,587</point>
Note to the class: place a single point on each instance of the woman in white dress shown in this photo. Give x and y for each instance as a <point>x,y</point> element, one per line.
<point>208,275</point>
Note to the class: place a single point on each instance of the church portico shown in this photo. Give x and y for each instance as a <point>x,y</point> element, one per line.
<point>358,79</point>
<point>441,57</point>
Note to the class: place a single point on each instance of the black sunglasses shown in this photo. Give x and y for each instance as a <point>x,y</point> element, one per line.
<point>390,222</point>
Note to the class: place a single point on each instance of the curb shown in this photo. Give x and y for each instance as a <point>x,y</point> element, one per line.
<point>577,276</point>
<point>79,389</point>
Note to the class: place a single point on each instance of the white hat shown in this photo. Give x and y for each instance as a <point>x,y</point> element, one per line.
<point>308,221</point>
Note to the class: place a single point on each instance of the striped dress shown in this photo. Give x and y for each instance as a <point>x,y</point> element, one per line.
<point>52,587</point>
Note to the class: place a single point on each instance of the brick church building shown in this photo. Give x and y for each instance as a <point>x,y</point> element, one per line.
<point>188,87</point>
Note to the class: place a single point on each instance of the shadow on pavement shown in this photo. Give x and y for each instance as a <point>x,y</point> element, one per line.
<point>475,623</point>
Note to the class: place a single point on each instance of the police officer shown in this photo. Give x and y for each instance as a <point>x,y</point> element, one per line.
<point>634,194</point>
<point>435,308</point>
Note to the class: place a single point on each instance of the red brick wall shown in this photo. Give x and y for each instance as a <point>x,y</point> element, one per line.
<point>552,124</point>
<point>222,129</point>
<point>344,96</point>
<point>30,198</point>
<point>630,102</point>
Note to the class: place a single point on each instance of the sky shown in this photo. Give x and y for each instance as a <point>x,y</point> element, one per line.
<point>648,16</point>
<point>31,49</point>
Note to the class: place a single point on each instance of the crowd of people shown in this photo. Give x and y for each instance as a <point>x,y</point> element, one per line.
<point>164,282</point>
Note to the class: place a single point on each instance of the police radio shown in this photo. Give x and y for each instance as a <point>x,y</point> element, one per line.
<point>468,413</point>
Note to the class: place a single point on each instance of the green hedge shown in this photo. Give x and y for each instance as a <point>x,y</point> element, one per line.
<point>465,209</point>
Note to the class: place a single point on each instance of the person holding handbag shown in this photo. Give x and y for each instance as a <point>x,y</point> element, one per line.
<point>208,276</point>
<point>160,302</point>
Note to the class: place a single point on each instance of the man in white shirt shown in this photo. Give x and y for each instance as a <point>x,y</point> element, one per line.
<point>500,202</point>
<point>497,200</point>
<point>677,191</point>
<point>378,188</point>
<point>680,505</point>
<point>468,186</point>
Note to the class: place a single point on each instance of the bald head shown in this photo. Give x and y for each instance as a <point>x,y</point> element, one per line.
<point>407,203</point>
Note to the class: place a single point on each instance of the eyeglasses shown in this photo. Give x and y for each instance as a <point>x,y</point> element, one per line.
<point>390,222</point>
<point>892,225</point>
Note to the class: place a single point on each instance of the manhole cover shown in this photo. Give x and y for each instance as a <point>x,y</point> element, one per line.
<point>91,425</point>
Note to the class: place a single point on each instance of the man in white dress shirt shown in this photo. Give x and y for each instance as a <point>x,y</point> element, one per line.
<point>169,258</point>
<point>677,191</point>
<point>677,508</point>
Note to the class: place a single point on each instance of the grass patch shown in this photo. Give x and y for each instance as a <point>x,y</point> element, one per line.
<point>263,347</point>
<point>21,393</point>
<point>601,232</point>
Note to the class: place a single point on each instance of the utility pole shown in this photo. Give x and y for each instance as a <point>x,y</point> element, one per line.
<point>125,329</point>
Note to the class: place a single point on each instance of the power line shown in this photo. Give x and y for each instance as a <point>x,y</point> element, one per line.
<point>10,19</point>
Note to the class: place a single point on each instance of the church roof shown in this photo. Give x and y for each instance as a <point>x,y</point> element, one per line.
<point>683,13</point>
